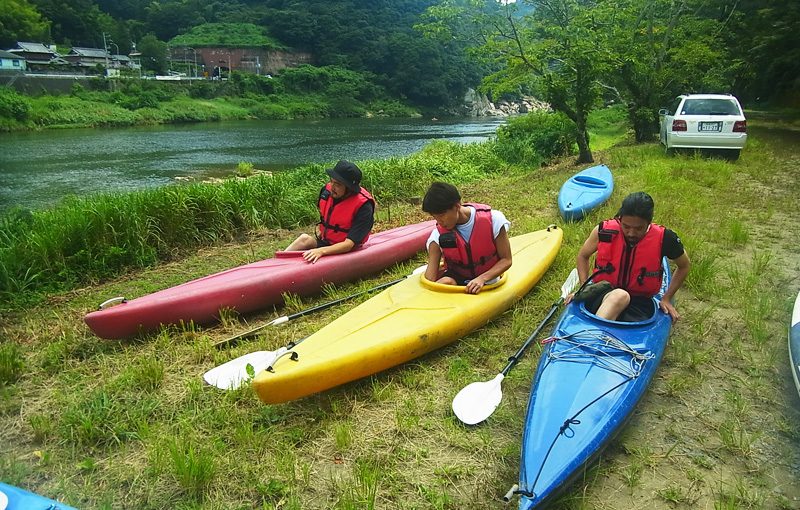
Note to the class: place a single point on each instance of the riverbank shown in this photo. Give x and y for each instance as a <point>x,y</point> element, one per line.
<point>131,425</point>
<point>298,93</point>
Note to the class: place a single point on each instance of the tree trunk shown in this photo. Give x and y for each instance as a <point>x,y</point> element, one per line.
<point>644,122</point>
<point>582,139</point>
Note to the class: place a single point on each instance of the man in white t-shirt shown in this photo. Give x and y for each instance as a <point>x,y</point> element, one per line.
<point>472,239</point>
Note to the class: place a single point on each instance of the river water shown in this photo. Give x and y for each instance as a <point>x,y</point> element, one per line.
<point>37,169</point>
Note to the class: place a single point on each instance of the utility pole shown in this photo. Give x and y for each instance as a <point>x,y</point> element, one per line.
<point>105,51</point>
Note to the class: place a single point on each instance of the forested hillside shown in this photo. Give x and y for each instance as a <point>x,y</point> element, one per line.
<point>575,54</point>
<point>371,36</point>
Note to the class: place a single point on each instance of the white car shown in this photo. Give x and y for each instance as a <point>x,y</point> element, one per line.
<point>704,121</point>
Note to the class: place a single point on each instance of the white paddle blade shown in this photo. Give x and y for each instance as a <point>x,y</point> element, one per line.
<point>233,374</point>
<point>570,283</point>
<point>477,401</point>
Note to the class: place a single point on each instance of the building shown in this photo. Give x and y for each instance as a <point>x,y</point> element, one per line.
<point>88,58</point>
<point>11,63</point>
<point>38,56</point>
<point>219,61</point>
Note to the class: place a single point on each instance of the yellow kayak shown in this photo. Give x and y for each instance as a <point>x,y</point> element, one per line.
<point>405,321</point>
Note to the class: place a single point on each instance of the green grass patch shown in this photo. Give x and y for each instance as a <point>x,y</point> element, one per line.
<point>132,424</point>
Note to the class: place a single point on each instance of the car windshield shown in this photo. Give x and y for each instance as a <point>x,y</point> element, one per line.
<point>709,107</point>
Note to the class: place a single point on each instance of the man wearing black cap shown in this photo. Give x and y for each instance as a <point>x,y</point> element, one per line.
<point>346,215</point>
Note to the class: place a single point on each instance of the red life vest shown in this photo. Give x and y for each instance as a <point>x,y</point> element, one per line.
<point>636,269</point>
<point>468,260</point>
<point>336,219</point>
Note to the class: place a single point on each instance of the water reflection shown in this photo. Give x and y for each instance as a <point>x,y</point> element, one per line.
<point>38,169</point>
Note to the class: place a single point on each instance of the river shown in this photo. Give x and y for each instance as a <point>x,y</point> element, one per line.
<point>38,169</point>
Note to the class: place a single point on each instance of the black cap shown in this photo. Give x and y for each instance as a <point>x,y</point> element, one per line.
<point>348,174</point>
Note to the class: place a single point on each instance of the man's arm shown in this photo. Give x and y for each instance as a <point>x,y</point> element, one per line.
<point>582,260</point>
<point>315,254</point>
<point>585,254</point>
<point>503,246</point>
<point>434,257</point>
<point>363,221</point>
<point>683,265</point>
<point>362,224</point>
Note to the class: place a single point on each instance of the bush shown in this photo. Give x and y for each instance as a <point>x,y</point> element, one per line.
<point>536,138</point>
<point>13,105</point>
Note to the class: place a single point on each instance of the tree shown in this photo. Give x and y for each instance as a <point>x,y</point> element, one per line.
<point>661,48</point>
<point>154,53</point>
<point>557,50</point>
<point>73,22</point>
<point>765,46</point>
<point>20,21</point>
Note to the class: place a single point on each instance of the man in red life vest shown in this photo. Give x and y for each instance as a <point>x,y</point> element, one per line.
<point>346,215</point>
<point>472,239</point>
<point>629,251</point>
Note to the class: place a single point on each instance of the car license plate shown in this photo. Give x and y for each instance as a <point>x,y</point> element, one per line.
<point>710,127</point>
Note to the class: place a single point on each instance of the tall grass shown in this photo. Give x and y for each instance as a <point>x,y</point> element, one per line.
<point>84,240</point>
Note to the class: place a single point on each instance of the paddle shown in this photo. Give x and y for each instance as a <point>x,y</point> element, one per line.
<point>287,318</point>
<point>477,401</point>
<point>231,375</point>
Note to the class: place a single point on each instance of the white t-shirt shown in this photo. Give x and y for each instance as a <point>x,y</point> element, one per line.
<point>499,222</point>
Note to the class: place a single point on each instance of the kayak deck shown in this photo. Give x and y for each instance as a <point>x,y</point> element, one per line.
<point>590,377</point>
<point>585,191</point>
<point>257,285</point>
<point>403,322</point>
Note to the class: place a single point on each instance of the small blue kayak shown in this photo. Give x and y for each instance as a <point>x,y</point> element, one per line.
<point>591,374</point>
<point>14,498</point>
<point>585,191</point>
<point>794,343</point>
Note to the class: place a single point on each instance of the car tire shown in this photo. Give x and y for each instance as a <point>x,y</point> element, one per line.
<point>669,151</point>
<point>733,154</point>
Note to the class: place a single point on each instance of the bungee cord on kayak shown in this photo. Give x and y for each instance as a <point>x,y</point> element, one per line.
<point>601,348</point>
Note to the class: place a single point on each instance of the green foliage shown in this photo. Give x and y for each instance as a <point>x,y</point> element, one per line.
<point>11,363</point>
<point>192,465</point>
<point>153,54</point>
<point>536,138</point>
<point>559,52</point>
<point>20,21</point>
<point>14,106</point>
<point>226,35</point>
<point>84,240</point>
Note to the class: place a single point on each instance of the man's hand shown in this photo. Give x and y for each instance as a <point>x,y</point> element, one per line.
<point>667,307</point>
<point>313,255</point>
<point>475,285</point>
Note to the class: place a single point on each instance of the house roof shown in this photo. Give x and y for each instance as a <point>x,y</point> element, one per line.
<point>8,54</point>
<point>34,47</point>
<point>89,52</point>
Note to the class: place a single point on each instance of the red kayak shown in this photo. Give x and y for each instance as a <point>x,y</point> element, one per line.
<point>255,286</point>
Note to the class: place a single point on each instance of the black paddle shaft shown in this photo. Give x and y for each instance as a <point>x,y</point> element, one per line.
<point>513,360</point>
<point>324,306</point>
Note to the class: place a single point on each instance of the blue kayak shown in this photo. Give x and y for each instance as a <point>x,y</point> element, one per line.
<point>14,498</point>
<point>585,191</point>
<point>591,374</point>
<point>794,343</point>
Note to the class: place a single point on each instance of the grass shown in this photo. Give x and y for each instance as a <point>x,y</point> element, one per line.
<point>131,424</point>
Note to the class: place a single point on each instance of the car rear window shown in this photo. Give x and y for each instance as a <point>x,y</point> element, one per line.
<point>709,107</point>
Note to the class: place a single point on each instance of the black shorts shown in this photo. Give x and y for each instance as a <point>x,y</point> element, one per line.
<point>640,308</point>
<point>459,281</point>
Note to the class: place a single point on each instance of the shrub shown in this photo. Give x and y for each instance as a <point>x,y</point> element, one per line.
<point>536,138</point>
<point>13,105</point>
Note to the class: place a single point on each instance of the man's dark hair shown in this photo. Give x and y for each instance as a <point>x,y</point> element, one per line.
<point>440,197</point>
<point>638,204</point>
